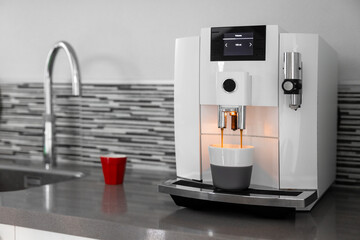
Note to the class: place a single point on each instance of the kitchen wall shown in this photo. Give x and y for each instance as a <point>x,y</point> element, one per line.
<point>133,40</point>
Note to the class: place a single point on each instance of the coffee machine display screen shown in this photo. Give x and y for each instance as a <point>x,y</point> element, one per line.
<point>238,44</point>
<point>244,43</point>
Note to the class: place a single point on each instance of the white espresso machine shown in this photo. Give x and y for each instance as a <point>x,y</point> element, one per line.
<point>279,90</point>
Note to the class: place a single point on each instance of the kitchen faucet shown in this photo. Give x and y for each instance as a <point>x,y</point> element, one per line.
<point>49,118</point>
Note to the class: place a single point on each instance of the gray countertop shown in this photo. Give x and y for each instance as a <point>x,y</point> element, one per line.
<point>135,210</point>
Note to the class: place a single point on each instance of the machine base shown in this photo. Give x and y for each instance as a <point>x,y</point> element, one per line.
<point>262,211</point>
<point>194,194</point>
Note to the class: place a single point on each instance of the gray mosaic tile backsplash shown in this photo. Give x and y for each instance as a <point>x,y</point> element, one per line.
<point>136,120</point>
<point>348,145</point>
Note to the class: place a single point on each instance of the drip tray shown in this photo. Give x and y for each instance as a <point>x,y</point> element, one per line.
<point>186,189</point>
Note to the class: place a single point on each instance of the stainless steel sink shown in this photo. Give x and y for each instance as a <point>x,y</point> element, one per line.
<point>14,178</point>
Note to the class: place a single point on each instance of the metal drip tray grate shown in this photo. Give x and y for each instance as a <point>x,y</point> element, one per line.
<point>247,192</point>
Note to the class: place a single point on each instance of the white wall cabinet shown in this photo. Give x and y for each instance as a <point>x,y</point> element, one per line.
<point>29,233</point>
<point>7,232</point>
<point>10,232</point>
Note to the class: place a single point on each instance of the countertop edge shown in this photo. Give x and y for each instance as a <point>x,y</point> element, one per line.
<point>86,227</point>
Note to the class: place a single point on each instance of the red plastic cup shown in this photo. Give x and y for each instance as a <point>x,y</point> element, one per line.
<point>113,168</point>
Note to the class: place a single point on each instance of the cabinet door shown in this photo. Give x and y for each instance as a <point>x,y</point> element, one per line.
<point>29,233</point>
<point>7,232</point>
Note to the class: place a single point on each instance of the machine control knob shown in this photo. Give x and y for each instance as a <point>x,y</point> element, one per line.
<point>291,86</point>
<point>229,85</point>
<point>288,86</point>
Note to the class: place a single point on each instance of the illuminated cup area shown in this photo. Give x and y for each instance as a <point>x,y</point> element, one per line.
<point>231,155</point>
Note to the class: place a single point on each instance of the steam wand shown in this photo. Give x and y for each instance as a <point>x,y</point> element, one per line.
<point>292,84</point>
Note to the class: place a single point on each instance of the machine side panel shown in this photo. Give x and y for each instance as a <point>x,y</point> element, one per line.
<point>298,129</point>
<point>208,74</point>
<point>327,115</point>
<point>187,108</point>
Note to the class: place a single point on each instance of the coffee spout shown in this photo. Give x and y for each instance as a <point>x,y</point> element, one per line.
<point>237,114</point>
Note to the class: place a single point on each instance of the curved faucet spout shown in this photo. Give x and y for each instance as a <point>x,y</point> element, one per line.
<point>74,68</point>
<point>49,126</point>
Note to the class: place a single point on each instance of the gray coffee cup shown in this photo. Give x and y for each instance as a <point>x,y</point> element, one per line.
<point>231,166</point>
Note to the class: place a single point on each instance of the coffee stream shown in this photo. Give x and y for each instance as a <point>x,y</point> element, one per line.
<point>241,134</point>
<point>222,138</point>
